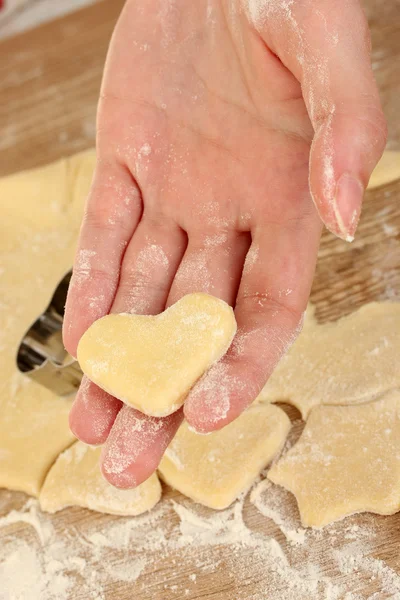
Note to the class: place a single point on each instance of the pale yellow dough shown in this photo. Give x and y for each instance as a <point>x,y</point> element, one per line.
<point>214,469</point>
<point>41,212</point>
<point>151,362</point>
<point>347,460</point>
<point>386,171</point>
<point>345,362</point>
<point>76,480</point>
<point>41,215</point>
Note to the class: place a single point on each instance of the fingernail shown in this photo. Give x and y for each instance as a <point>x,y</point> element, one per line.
<point>347,205</point>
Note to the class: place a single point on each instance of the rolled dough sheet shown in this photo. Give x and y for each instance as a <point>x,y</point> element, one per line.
<point>215,469</point>
<point>346,362</point>
<point>347,460</point>
<point>151,362</point>
<point>41,213</point>
<point>75,480</point>
<point>386,171</point>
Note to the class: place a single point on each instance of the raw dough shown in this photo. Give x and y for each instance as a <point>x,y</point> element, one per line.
<point>76,480</point>
<point>215,469</point>
<point>41,212</point>
<point>347,460</point>
<point>345,362</point>
<point>386,171</point>
<point>151,362</point>
<point>42,209</point>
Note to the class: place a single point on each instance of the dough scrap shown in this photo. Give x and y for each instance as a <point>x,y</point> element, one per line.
<point>151,362</point>
<point>346,362</point>
<point>215,469</point>
<point>75,480</point>
<point>347,460</point>
<point>386,171</point>
<point>41,209</point>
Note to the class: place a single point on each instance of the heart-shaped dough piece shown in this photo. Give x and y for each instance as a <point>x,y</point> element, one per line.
<point>151,362</point>
<point>75,480</point>
<point>215,469</point>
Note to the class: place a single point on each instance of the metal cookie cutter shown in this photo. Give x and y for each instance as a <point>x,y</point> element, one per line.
<point>41,354</point>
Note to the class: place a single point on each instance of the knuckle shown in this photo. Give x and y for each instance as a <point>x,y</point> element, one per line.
<point>375,125</point>
<point>98,217</point>
<point>381,128</point>
<point>276,305</point>
<point>92,276</point>
<point>142,287</point>
<point>138,286</point>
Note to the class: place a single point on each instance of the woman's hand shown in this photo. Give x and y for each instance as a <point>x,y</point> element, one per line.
<point>216,120</point>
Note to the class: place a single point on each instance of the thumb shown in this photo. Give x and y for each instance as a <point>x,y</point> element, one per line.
<point>327,48</point>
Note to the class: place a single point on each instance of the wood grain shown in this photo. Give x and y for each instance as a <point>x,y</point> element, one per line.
<point>49,84</point>
<point>19,15</point>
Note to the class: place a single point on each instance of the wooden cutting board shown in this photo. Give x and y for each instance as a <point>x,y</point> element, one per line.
<point>49,84</point>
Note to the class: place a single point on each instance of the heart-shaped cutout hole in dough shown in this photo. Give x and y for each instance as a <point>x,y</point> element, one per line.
<point>151,362</point>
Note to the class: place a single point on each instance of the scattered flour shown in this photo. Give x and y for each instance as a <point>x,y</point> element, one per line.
<point>145,150</point>
<point>215,409</point>
<point>178,545</point>
<point>293,535</point>
<point>252,258</point>
<point>131,435</point>
<point>195,270</point>
<point>151,263</point>
<point>83,266</point>
<point>30,516</point>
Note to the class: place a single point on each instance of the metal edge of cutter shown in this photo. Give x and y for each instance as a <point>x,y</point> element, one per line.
<point>41,354</point>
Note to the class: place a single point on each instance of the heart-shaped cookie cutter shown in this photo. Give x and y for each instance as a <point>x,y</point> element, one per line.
<point>41,354</point>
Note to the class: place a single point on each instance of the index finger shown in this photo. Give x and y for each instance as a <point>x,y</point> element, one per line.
<point>112,213</point>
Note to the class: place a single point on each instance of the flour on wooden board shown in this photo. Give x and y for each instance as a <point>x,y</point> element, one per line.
<point>197,542</point>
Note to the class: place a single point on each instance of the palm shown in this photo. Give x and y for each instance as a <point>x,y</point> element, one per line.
<point>227,139</point>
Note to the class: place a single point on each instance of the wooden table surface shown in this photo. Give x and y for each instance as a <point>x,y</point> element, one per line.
<point>49,83</point>
<point>17,16</point>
